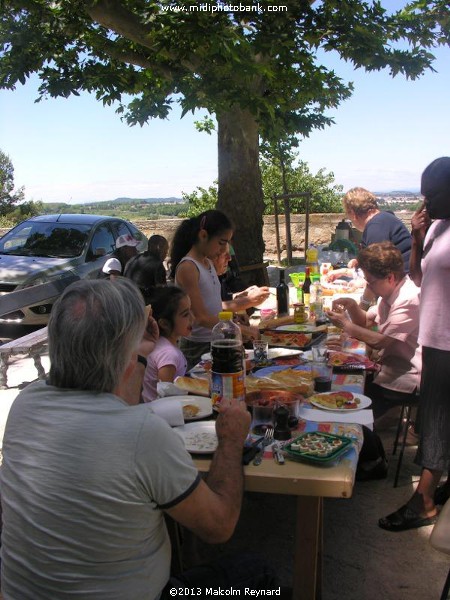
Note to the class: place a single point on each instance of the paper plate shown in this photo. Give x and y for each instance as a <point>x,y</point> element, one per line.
<point>199,437</point>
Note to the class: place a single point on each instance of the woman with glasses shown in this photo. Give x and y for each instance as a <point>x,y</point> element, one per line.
<point>391,327</point>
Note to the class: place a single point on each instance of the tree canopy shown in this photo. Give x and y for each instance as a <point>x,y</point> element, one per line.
<point>8,197</point>
<point>256,70</point>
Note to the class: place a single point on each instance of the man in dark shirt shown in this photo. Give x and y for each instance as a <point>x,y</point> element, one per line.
<point>361,208</point>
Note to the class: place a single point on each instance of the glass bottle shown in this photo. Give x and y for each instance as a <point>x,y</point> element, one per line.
<point>282,296</point>
<point>307,288</point>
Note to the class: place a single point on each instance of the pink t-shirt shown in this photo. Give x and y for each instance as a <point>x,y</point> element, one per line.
<point>435,287</point>
<point>164,353</point>
<point>398,318</point>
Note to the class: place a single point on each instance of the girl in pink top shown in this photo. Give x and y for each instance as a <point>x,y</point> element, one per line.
<point>171,308</point>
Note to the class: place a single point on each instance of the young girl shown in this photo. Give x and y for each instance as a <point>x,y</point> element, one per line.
<point>195,242</point>
<point>171,308</point>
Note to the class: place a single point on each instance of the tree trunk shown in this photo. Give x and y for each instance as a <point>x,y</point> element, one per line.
<point>240,186</point>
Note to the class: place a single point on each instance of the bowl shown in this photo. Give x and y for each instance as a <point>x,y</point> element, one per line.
<point>273,398</point>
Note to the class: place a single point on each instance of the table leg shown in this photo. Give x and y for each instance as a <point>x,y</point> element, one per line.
<point>307,584</point>
<point>36,356</point>
<point>4,361</point>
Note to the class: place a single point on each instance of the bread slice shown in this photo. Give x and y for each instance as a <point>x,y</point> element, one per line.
<point>193,385</point>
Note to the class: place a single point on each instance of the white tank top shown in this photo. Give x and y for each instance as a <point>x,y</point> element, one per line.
<point>209,285</point>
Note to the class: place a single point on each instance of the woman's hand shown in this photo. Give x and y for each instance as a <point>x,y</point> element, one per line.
<point>338,318</point>
<point>420,222</point>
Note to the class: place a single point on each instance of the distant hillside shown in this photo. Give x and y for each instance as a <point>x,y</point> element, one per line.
<point>146,200</point>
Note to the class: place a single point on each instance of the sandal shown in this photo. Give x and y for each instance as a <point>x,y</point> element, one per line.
<point>405,518</point>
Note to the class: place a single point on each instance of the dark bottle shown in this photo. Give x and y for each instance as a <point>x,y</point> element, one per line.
<point>282,296</point>
<point>306,288</point>
<point>227,368</point>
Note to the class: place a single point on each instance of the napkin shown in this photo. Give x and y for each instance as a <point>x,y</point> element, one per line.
<point>362,417</point>
<point>169,409</point>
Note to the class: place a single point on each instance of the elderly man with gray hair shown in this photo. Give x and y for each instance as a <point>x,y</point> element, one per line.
<point>88,473</point>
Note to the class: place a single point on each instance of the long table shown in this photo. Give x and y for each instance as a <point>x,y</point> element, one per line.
<point>310,484</point>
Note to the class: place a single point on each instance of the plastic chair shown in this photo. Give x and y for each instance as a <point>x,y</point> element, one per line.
<point>407,401</point>
<point>440,540</point>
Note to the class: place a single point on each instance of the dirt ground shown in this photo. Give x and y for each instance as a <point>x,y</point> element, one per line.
<point>361,561</point>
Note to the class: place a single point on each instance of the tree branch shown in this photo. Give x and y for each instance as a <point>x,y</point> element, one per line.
<point>112,15</point>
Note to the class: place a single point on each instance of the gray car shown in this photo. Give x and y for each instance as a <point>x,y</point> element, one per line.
<point>43,253</point>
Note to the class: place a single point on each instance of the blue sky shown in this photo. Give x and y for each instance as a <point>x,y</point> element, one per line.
<point>76,150</point>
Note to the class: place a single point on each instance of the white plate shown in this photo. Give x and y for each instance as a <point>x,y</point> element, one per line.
<point>364,402</point>
<point>273,353</point>
<point>204,406</point>
<point>199,437</point>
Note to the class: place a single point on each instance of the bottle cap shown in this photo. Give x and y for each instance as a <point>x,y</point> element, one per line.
<point>225,315</point>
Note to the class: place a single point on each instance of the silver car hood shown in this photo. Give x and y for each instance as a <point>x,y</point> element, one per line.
<point>18,270</point>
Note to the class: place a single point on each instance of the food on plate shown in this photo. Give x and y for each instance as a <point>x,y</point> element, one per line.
<point>300,382</point>
<point>190,411</point>
<point>344,359</point>
<point>196,386</point>
<point>286,338</point>
<point>340,400</point>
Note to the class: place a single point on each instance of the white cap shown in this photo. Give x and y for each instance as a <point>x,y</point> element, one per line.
<point>112,264</point>
<point>126,240</point>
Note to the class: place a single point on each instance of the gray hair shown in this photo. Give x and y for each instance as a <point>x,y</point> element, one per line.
<point>94,327</point>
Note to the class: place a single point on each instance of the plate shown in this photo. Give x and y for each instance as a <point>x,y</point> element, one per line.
<point>204,406</point>
<point>273,353</point>
<point>199,437</point>
<point>364,402</point>
<point>301,328</point>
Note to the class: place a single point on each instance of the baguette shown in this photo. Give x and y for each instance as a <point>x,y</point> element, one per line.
<point>196,386</point>
<point>272,323</point>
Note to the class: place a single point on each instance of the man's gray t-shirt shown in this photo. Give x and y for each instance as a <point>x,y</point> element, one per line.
<point>84,478</point>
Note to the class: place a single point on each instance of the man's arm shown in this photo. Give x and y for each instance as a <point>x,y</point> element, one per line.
<point>212,510</point>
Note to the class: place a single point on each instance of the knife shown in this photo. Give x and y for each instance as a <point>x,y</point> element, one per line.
<point>250,451</point>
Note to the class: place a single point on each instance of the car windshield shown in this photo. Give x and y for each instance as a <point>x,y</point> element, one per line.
<point>56,240</point>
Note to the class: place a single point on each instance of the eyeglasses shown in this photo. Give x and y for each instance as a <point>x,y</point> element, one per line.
<point>374,280</point>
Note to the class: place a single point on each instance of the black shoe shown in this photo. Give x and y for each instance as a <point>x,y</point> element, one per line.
<point>441,495</point>
<point>405,518</point>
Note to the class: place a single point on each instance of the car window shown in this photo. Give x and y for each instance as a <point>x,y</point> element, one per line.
<point>58,240</point>
<point>103,241</point>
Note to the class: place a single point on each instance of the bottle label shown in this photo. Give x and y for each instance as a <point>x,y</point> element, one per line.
<point>225,386</point>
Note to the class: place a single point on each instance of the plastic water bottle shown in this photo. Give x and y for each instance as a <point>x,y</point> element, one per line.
<point>312,259</point>
<point>227,354</point>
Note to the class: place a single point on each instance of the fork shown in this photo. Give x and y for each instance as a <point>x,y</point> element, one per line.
<point>268,437</point>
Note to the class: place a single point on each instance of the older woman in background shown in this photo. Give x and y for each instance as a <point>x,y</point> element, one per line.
<point>396,317</point>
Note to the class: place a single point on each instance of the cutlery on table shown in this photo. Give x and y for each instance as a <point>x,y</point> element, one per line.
<point>250,451</point>
<point>277,454</point>
<point>268,438</point>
